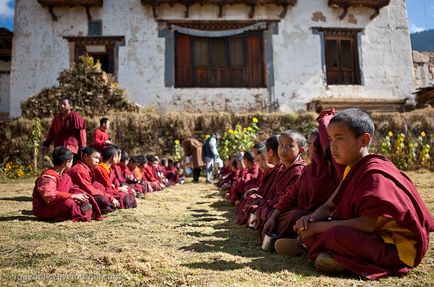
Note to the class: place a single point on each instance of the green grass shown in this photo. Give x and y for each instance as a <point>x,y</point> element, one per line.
<point>183,236</point>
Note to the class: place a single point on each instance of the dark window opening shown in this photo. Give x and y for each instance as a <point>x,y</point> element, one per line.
<point>235,61</point>
<point>342,62</point>
<point>103,58</point>
<point>95,28</point>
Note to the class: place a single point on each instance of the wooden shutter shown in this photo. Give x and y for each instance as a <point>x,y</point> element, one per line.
<point>183,70</point>
<point>255,76</point>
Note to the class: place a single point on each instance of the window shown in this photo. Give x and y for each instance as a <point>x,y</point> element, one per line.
<point>102,49</point>
<point>94,28</point>
<point>341,57</point>
<point>235,61</point>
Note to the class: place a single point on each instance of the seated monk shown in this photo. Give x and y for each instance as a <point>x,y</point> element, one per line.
<point>128,176</point>
<point>172,173</point>
<point>102,175</point>
<point>56,198</point>
<point>82,175</point>
<point>118,179</point>
<point>317,182</point>
<point>291,146</point>
<point>149,174</point>
<point>268,161</point>
<point>248,175</point>
<point>375,224</point>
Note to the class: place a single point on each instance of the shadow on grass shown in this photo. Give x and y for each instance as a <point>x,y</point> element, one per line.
<point>230,238</point>
<point>17,198</point>
<point>18,217</point>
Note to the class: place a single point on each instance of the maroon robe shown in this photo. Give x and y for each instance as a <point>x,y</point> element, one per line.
<point>67,132</point>
<point>103,177</point>
<point>316,184</point>
<point>248,179</point>
<point>83,177</point>
<point>374,187</point>
<point>99,138</point>
<point>268,179</point>
<point>286,177</point>
<point>52,199</point>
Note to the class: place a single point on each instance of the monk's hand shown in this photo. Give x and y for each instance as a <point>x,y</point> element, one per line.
<point>269,226</point>
<point>80,197</point>
<point>116,203</point>
<point>307,233</point>
<point>303,223</point>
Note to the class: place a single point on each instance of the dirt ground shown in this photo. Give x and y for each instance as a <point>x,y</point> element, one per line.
<point>183,236</point>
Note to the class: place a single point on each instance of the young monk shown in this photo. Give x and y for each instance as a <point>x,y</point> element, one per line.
<point>172,173</point>
<point>291,146</point>
<point>375,223</point>
<point>149,174</point>
<point>128,175</point>
<point>102,175</point>
<point>248,174</point>
<point>101,138</point>
<point>268,161</point>
<point>317,182</point>
<point>56,198</point>
<point>82,175</point>
<point>118,179</point>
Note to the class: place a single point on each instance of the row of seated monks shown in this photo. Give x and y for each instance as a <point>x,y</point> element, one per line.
<point>346,209</point>
<point>99,183</point>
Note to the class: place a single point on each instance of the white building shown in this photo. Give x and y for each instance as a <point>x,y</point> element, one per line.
<point>219,55</point>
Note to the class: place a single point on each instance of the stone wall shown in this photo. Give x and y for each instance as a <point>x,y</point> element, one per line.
<point>423,69</point>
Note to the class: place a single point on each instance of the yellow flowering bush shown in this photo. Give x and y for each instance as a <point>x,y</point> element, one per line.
<point>408,153</point>
<point>238,139</point>
<point>177,154</point>
<point>17,169</point>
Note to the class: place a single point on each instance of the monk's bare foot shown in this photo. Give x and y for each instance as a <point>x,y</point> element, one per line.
<point>326,263</point>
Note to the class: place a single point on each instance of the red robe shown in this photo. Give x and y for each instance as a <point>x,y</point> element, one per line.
<point>247,180</point>
<point>374,187</point>
<point>103,177</point>
<point>83,177</point>
<point>286,177</point>
<point>148,174</point>
<point>268,178</point>
<point>99,138</point>
<point>69,132</point>
<point>119,173</point>
<point>317,182</point>
<point>172,174</point>
<point>52,199</point>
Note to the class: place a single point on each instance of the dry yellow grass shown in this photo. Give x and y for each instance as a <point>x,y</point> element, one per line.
<point>184,236</point>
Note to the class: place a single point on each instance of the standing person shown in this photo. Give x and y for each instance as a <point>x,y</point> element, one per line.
<point>101,138</point>
<point>211,154</point>
<point>192,147</point>
<point>67,129</point>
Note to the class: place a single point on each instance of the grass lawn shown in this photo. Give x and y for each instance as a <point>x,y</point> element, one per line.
<point>183,236</point>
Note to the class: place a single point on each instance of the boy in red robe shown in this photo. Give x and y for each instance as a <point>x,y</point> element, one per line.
<point>102,175</point>
<point>101,138</point>
<point>248,176</point>
<point>82,175</point>
<point>317,182</point>
<point>291,146</point>
<point>55,198</point>
<point>268,161</point>
<point>375,224</point>
<point>67,129</point>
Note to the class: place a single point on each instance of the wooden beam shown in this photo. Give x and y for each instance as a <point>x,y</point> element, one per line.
<point>53,16</point>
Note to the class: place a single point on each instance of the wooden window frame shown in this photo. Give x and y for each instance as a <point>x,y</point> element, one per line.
<point>213,70</point>
<point>340,35</point>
